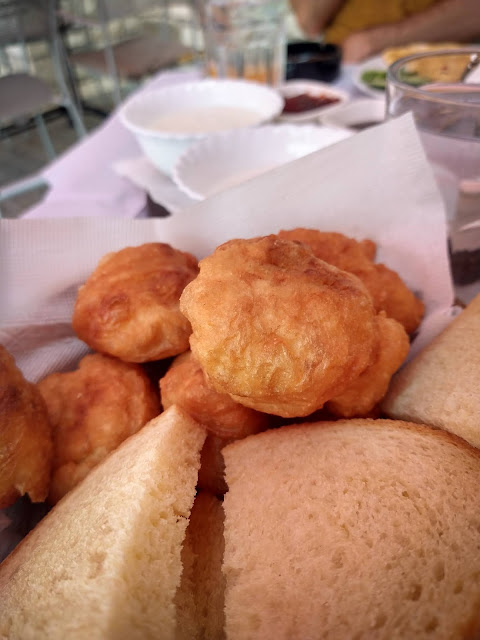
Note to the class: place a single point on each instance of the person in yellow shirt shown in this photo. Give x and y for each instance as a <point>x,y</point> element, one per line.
<point>366,27</point>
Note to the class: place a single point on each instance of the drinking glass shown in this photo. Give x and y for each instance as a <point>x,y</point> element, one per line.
<point>245,39</point>
<point>438,89</point>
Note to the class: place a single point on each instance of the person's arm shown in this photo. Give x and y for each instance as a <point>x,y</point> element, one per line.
<point>314,15</point>
<point>449,20</point>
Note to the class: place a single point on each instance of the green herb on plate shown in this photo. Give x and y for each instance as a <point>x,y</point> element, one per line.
<point>376,79</point>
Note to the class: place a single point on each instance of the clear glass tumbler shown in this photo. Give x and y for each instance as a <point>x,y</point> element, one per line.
<point>438,89</point>
<point>442,91</point>
<point>245,39</point>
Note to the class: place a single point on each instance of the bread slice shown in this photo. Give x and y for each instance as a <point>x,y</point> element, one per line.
<point>202,591</point>
<point>352,529</point>
<point>440,387</point>
<point>106,561</point>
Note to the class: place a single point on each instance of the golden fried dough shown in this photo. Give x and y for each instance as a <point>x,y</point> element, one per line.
<point>184,385</point>
<point>129,306</point>
<point>276,328</point>
<point>389,292</point>
<point>333,247</point>
<point>25,436</point>
<point>369,248</point>
<point>93,410</point>
<point>370,387</point>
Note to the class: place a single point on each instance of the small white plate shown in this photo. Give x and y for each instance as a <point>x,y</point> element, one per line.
<point>356,115</point>
<point>372,64</point>
<point>313,88</point>
<point>227,159</point>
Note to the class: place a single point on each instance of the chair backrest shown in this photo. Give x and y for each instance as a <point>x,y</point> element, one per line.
<point>95,11</point>
<point>25,20</point>
<point>22,22</point>
<point>132,15</point>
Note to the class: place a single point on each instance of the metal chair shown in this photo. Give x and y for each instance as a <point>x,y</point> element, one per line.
<point>24,95</point>
<point>129,40</point>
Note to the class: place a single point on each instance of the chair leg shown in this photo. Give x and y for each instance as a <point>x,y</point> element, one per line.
<point>61,65</point>
<point>76,120</point>
<point>109,54</point>
<point>21,186</point>
<point>45,137</point>
<point>5,61</point>
<point>112,71</point>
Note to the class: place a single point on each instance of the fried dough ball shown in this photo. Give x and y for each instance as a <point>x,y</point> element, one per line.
<point>26,448</point>
<point>184,385</point>
<point>369,248</point>
<point>129,306</point>
<point>389,292</point>
<point>93,410</point>
<point>276,328</point>
<point>364,394</point>
<point>333,247</point>
<point>391,295</point>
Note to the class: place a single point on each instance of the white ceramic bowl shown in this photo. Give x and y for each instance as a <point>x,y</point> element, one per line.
<point>356,115</point>
<point>167,121</point>
<point>225,160</point>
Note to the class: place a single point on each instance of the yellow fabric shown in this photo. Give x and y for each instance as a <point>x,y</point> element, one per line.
<point>356,15</point>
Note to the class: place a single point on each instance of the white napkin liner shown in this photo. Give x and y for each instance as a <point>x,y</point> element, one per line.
<point>376,184</point>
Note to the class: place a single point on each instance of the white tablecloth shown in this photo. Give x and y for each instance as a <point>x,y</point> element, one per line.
<point>83,181</point>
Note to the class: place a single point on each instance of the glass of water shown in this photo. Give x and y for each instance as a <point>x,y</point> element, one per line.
<point>245,39</point>
<point>439,89</point>
<point>442,91</point>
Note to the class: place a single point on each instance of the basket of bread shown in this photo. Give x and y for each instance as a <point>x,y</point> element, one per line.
<point>243,443</point>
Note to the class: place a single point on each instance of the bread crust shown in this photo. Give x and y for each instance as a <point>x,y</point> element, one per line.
<point>439,387</point>
<point>359,528</point>
<point>106,560</point>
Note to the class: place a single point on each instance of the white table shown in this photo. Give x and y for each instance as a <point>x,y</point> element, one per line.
<point>83,181</point>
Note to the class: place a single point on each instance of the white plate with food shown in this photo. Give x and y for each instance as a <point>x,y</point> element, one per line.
<point>227,159</point>
<point>370,77</point>
<point>306,100</point>
<point>356,115</point>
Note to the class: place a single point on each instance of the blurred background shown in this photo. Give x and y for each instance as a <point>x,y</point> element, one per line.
<point>81,58</point>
